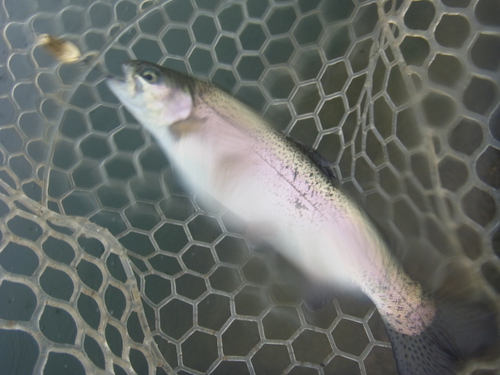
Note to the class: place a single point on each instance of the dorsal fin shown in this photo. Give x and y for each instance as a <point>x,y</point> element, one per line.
<point>318,160</point>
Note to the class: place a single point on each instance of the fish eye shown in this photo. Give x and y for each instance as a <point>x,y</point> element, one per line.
<point>150,75</point>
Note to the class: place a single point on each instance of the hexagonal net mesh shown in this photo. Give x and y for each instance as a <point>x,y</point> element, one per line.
<point>109,265</point>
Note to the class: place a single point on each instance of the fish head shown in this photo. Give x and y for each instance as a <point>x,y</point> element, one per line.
<point>156,96</point>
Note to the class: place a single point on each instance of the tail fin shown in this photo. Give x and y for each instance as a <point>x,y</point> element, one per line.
<point>465,326</point>
<point>457,334</point>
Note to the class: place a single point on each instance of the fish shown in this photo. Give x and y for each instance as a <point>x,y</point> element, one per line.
<point>227,153</point>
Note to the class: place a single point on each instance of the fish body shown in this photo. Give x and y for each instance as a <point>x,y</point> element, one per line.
<point>226,152</point>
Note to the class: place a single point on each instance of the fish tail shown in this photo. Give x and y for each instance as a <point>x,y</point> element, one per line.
<point>465,326</point>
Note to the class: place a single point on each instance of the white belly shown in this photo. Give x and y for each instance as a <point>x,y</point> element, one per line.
<point>227,168</point>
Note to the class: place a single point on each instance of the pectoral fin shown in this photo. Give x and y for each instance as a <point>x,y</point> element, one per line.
<point>183,128</point>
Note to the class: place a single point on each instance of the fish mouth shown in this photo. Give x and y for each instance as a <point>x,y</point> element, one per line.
<point>129,69</point>
<point>129,84</point>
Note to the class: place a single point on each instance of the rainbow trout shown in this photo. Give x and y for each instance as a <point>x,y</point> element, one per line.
<point>225,151</point>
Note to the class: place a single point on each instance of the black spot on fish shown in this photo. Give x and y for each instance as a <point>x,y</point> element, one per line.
<point>299,206</point>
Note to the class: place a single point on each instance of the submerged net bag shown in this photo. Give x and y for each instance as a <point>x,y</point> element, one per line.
<point>107,265</point>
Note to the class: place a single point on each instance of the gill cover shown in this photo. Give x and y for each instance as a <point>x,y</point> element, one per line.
<point>158,96</point>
